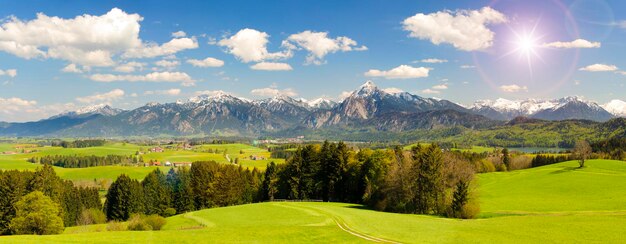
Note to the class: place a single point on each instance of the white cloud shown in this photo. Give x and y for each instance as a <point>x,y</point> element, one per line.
<point>393,90</point>
<point>19,110</point>
<point>9,72</point>
<point>440,87</point>
<point>11,108</point>
<point>87,40</point>
<point>318,44</point>
<point>344,94</point>
<point>170,92</point>
<point>207,62</point>
<point>151,77</point>
<point>179,34</point>
<point>599,68</point>
<point>433,61</point>
<point>578,43</point>
<point>400,72</point>
<point>130,67</point>
<point>430,91</point>
<point>273,91</point>
<point>102,97</point>
<point>464,29</point>
<point>270,66</point>
<point>465,66</point>
<point>167,63</point>
<point>513,88</point>
<point>72,68</point>
<point>249,45</point>
<point>150,50</point>
<point>621,72</point>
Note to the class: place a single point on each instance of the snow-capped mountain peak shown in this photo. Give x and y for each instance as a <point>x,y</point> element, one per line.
<point>562,108</point>
<point>368,88</point>
<point>321,103</point>
<point>101,109</point>
<point>217,97</point>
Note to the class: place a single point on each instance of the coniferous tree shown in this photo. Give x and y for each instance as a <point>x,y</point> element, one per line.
<point>269,185</point>
<point>429,180</point>
<point>125,197</point>
<point>506,160</point>
<point>156,193</point>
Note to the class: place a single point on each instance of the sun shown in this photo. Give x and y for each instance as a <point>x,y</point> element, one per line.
<point>526,46</point>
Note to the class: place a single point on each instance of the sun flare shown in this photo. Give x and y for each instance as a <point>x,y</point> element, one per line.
<point>526,46</point>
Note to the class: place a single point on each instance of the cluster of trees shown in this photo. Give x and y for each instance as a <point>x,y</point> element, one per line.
<point>614,148</point>
<point>75,161</point>
<point>425,180</point>
<point>282,151</point>
<point>71,200</point>
<point>542,160</point>
<point>204,185</point>
<point>79,143</point>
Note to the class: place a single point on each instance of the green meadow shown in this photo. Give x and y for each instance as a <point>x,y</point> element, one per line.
<point>199,153</point>
<point>558,203</point>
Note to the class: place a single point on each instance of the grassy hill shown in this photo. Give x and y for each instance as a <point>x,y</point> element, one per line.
<point>556,203</point>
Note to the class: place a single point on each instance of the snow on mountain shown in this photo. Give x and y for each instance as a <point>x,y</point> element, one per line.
<point>545,109</point>
<point>321,103</point>
<point>519,107</point>
<point>217,97</point>
<point>616,107</point>
<point>102,109</point>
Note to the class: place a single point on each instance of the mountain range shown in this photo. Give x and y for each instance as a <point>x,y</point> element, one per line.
<point>367,108</point>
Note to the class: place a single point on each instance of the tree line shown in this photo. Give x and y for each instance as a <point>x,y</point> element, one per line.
<point>203,185</point>
<point>424,180</point>
<point>613,148</point>
<point>75,161</point>
<point>79,143</point>
<point>72,200</point>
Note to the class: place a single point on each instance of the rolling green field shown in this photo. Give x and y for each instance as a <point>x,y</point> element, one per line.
<point>199,153</point>
<point>556,203</point>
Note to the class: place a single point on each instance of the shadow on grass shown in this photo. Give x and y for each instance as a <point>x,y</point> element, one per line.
<point>362,207</point>
<point>565,170</point>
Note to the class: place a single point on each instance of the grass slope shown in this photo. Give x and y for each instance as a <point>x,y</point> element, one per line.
<point>556,203</point>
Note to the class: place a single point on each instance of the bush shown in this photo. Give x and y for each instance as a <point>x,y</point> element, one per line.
<point>155,221</point>
<point>470,210</point>
<point>91,216</point>
<point>115,226</point>
<point>140,222</point>
<point>169,212</point>
<point>37,214</point>
<point>136,223</point>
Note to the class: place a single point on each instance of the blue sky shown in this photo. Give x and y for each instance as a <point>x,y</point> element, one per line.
<point>128,53</point>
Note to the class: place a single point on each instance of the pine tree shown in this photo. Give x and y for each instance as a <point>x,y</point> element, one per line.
<point>125,197</point>
<point>269,186</point>
<point>156,193</point>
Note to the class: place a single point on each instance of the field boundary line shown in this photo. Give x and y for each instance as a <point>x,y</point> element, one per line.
<point>344,226</point>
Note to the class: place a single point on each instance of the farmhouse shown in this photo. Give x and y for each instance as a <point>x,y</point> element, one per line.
<point>156,149</point>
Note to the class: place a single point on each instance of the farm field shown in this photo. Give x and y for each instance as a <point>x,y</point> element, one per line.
<point>555,203</point>
<point>199,153</point>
